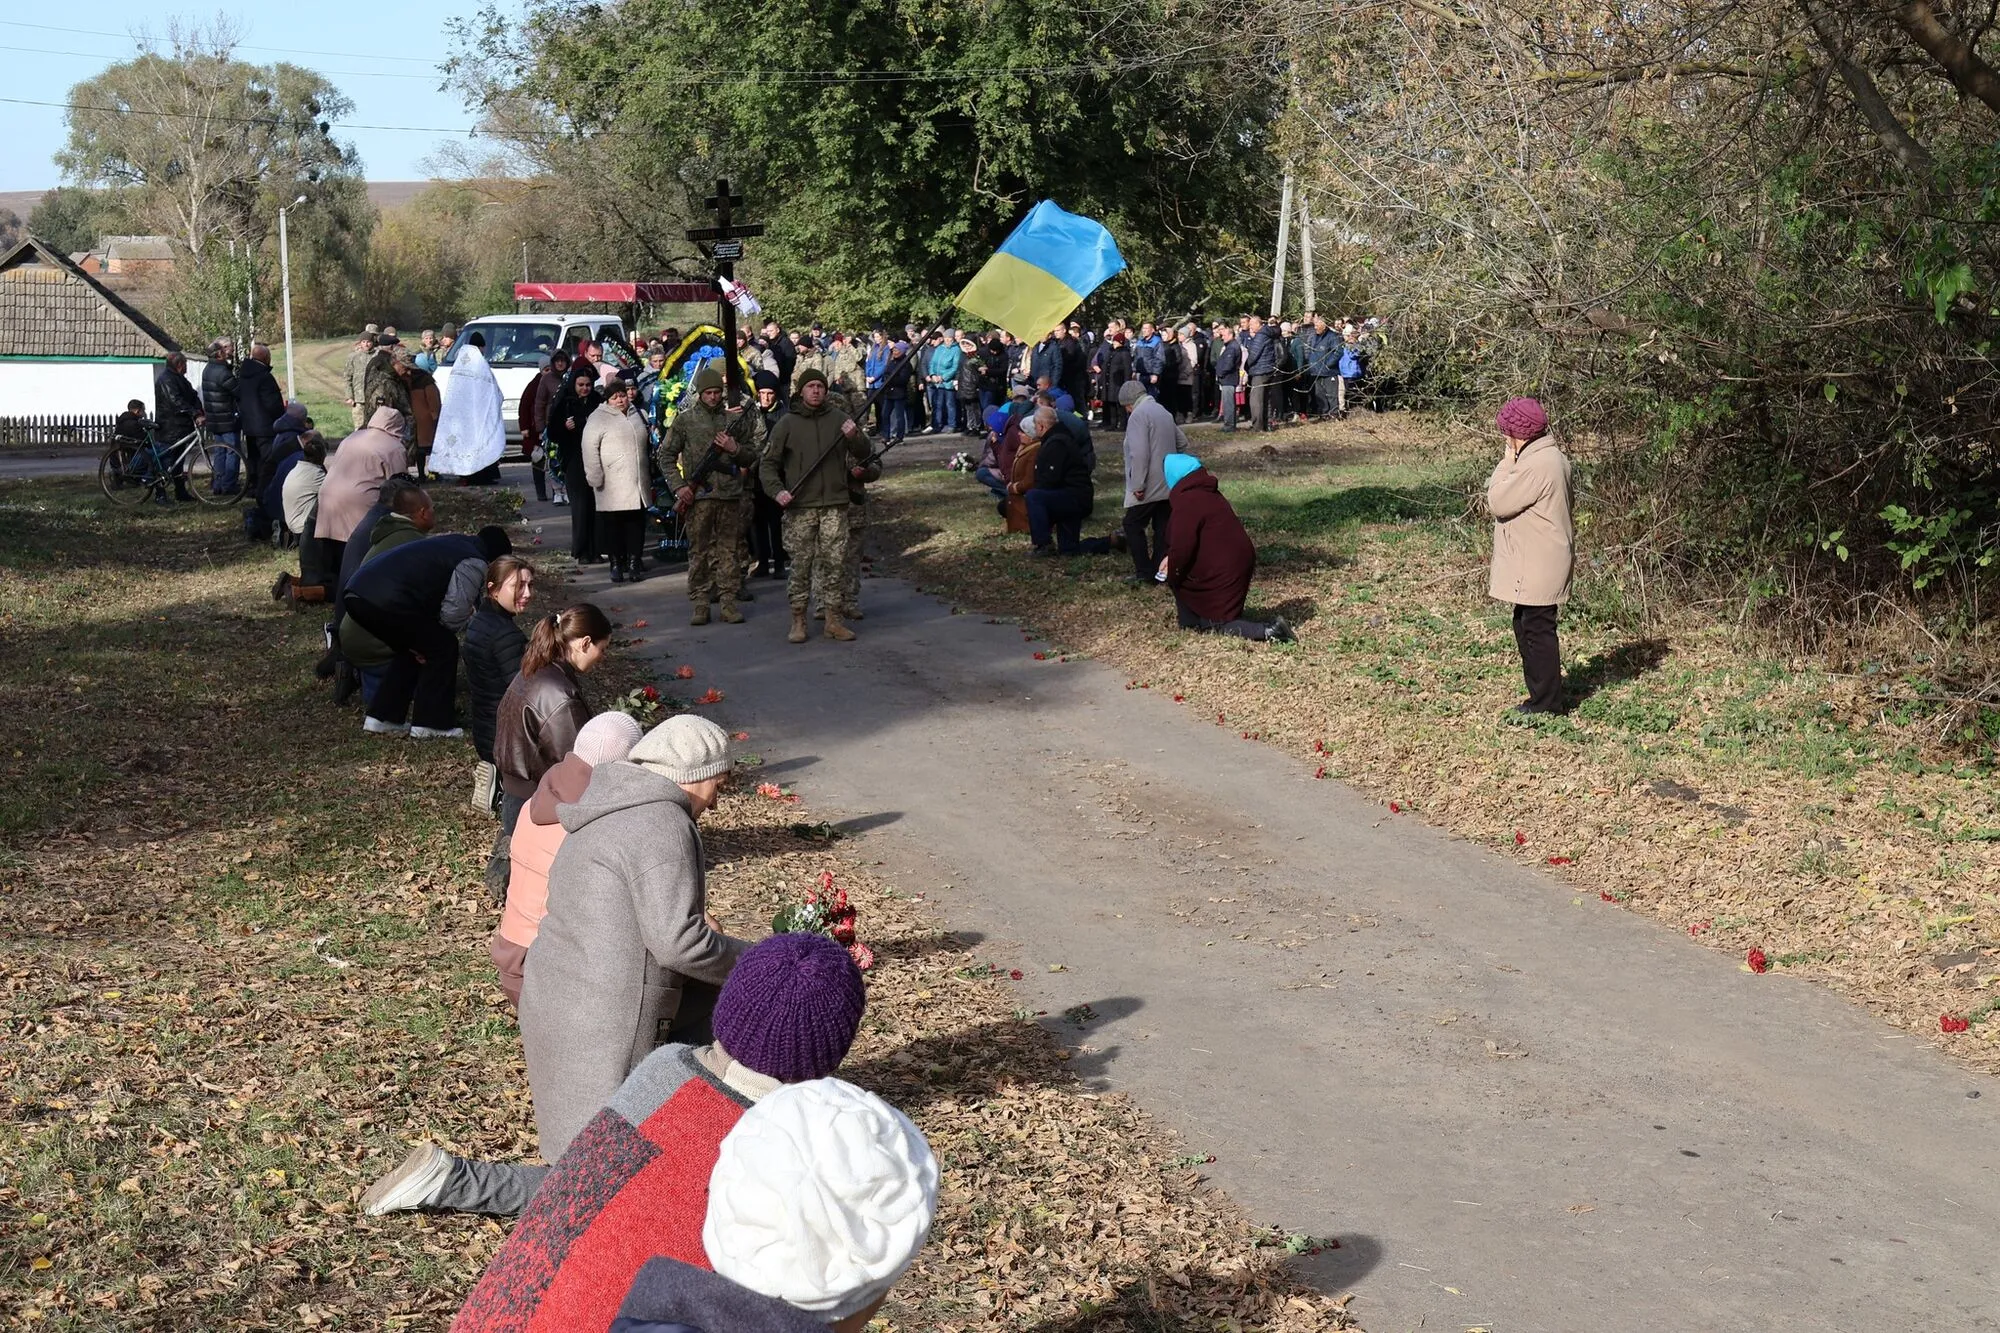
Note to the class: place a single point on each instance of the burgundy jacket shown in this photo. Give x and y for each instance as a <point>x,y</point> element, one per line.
<point>1210,557</point>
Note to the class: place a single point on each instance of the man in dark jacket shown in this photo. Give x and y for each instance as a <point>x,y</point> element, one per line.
<point>783,350</point>
<point>1260,356</point>
<point>1228,372</point>
<point>218,404</point>
<point>1114,368</point>
<point>397,597</point>
<point>1075,379</point>
<point>1045,367</point>
<point>1322,366</point>
<point>176,412</point>
<point>258,407</point>
<point>1210,557</point>
<point>534,416</point>
<point>1061,497</point>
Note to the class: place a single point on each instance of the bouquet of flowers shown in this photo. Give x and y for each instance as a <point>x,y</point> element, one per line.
<point>959,462</point>
<point>825,912</point>
<point>642,703</point>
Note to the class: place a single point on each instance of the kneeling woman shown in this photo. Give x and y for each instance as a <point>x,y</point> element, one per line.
<point>1210,557</point>
<point>544,707</point>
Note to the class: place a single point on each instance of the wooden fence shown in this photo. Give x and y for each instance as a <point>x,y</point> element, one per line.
<point>55,432</point>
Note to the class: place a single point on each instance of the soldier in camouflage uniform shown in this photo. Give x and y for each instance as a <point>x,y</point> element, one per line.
<point>715,514</point>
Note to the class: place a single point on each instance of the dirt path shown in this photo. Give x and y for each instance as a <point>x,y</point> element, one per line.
<point>1514,1108</point>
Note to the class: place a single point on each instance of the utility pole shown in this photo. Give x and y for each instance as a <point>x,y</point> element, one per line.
<point>285,270</point>
<point>723,243</point>
<point>1284,248</point>
<point>1306,249</point>
<point>524,261</point>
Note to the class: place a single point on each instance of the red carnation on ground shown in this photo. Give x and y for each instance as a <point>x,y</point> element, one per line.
<point>770,789</point>
<point>1395,808</point>
<point>1180,698</point>
<point>1953,1023</point>
<point>1041,657</point>
<point>1015,974</point>
<point>1319,747</point>
<point>1699,926</point>
<point>651,694</point>
<point>1520,838</point>
<point>1607,895</point>
<point>863,956</point>
<point>714,696</point>
<point>685,673</point>
<point>638,624</point>
<point>1758,962</point>
<point>1320,772</point>
<point>740,736</point>
<point>1559,860</point>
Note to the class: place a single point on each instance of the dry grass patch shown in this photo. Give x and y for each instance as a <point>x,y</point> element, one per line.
<point>244,965</point>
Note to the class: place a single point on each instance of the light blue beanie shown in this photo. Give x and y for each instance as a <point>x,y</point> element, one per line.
<point>1178,466</point>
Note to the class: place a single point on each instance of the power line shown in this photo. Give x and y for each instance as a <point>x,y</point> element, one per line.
<point>246,46</point>
<point>344,73</point>
<point>227,120</point>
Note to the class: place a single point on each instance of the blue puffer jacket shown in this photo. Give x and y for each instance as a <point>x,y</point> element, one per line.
<point>1148,355</point>
<point>1322,358</point>
<point>1261,357</point>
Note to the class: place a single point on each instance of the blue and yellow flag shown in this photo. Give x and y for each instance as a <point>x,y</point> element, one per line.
<point>1042,272</point>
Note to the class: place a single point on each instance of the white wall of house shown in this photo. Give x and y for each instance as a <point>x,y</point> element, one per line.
<point>31,387</point>
<point>77,387</point>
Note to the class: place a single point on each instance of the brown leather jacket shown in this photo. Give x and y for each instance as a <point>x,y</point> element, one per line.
<point>537,725</point>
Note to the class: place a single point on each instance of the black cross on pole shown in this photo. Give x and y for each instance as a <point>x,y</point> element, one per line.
<point>725,247</point>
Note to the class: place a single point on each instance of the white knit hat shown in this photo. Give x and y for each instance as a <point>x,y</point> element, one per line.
<point>822,1196</point>
<point>606,738</point>
<point>684,749</point>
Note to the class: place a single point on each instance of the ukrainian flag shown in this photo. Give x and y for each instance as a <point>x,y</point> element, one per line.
<point>1042,272</point>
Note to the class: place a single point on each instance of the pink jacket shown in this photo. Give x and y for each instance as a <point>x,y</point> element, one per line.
<point>537,835</point>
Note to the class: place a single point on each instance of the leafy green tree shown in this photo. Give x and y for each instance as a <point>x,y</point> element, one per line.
<point>890,145</point>
<point>72,219</point>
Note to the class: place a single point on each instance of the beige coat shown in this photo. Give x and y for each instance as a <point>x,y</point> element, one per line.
<point>354,473</point>
<point>614,458</point>
<point>1534,545</point>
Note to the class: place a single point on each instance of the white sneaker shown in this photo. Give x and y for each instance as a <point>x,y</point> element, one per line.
<point>375,726</point>
<point>437,733</point>
<point>410,1186</point>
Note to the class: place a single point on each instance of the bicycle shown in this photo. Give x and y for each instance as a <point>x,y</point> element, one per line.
<point>129,473</point>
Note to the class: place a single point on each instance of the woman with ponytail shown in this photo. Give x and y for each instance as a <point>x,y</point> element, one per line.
<point>544,707</point>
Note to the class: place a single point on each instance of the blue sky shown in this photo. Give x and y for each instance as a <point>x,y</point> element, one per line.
<point>397,88</point>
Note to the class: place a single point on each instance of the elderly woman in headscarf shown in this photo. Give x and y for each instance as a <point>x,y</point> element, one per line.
<point>1533,545</point>
<point>1210,558</point>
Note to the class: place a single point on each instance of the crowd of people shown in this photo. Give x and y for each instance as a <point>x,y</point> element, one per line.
<point>701,1163</point>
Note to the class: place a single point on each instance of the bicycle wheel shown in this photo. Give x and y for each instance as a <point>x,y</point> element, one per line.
<point>118,472</point>
<point>200,464</point>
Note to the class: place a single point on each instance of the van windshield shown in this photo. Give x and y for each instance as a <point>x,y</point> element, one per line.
<point>511,342</point>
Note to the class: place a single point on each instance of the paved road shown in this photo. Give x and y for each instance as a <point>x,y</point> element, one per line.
<point>12,465</point>
<point>1514,1109</point>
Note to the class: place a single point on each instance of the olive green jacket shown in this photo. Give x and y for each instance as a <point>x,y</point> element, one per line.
<point>695,428</point>
<point>802,438</point>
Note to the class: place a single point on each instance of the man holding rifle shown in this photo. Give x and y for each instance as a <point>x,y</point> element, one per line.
<point>815,450</point>
<point>711,491</point>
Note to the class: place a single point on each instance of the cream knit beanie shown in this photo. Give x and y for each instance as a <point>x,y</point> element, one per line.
<point>822,1196</point>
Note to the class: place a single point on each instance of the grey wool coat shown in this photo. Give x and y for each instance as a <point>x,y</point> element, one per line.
<point>626,927</point>
<point>1150,435</point>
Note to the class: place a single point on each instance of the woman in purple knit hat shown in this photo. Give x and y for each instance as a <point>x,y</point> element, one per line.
<point>1533,545</point>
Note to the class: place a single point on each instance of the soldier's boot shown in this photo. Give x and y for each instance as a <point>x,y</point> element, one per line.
<point>798,634</point>
<point>836,630</point>
<point>700,616</point>
<point>730,615</point>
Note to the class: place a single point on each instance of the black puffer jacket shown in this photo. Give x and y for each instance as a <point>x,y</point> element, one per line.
<point>1063,464</point>
<point>259,402</point>
<point>493,648</point>
<point>218,397</point>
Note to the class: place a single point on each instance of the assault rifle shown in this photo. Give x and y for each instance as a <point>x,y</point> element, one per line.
<point>712,460</point>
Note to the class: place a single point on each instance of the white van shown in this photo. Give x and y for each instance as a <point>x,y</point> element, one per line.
<point>515,346</point>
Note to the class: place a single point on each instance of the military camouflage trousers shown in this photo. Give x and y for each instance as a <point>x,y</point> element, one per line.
<point>850,564</point>
<point>816,540</point>
<point>715,551</point>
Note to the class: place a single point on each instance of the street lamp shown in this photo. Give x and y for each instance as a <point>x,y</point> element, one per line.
<point>285,268</point>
